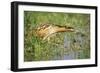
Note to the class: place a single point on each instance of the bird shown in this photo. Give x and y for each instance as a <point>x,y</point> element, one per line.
<point>46,30</point>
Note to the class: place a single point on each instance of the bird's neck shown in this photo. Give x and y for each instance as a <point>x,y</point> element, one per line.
<point>63,30</point>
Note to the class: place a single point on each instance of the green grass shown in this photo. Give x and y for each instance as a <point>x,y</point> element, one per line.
<point>35,49</point>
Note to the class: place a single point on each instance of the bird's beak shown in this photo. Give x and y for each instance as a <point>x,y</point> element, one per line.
<point>71,30</point>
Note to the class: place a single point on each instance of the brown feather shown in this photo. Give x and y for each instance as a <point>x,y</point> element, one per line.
<point>46,30</point>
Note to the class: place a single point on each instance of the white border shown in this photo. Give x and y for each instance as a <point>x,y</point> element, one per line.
<point>22,64</point>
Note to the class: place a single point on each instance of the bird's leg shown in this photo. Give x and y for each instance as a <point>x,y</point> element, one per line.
<point>45,37</point>
<point>48,39</point>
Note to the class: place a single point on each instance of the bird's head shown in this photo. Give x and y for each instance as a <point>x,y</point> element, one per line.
<point>71,29</point>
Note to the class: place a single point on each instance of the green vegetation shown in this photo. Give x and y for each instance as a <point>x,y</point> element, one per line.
<point>78,44</point>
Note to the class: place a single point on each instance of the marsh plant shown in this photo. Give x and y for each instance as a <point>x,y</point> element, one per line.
<point>60,46</point>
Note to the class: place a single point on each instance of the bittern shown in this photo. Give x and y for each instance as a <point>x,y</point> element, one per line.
<point>46,30</point>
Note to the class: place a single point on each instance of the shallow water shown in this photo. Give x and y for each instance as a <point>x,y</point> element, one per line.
<point>72,53</point>
<point>69,56</point>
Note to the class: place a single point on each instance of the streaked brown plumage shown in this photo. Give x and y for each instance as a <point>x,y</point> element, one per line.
<point>44,31</point>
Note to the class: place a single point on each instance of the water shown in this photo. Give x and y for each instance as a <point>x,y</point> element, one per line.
<point>66,42</point>
<point>73,54</point>
<point>69,49</point>
<point>69,56</point>
<point>67,46</point>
